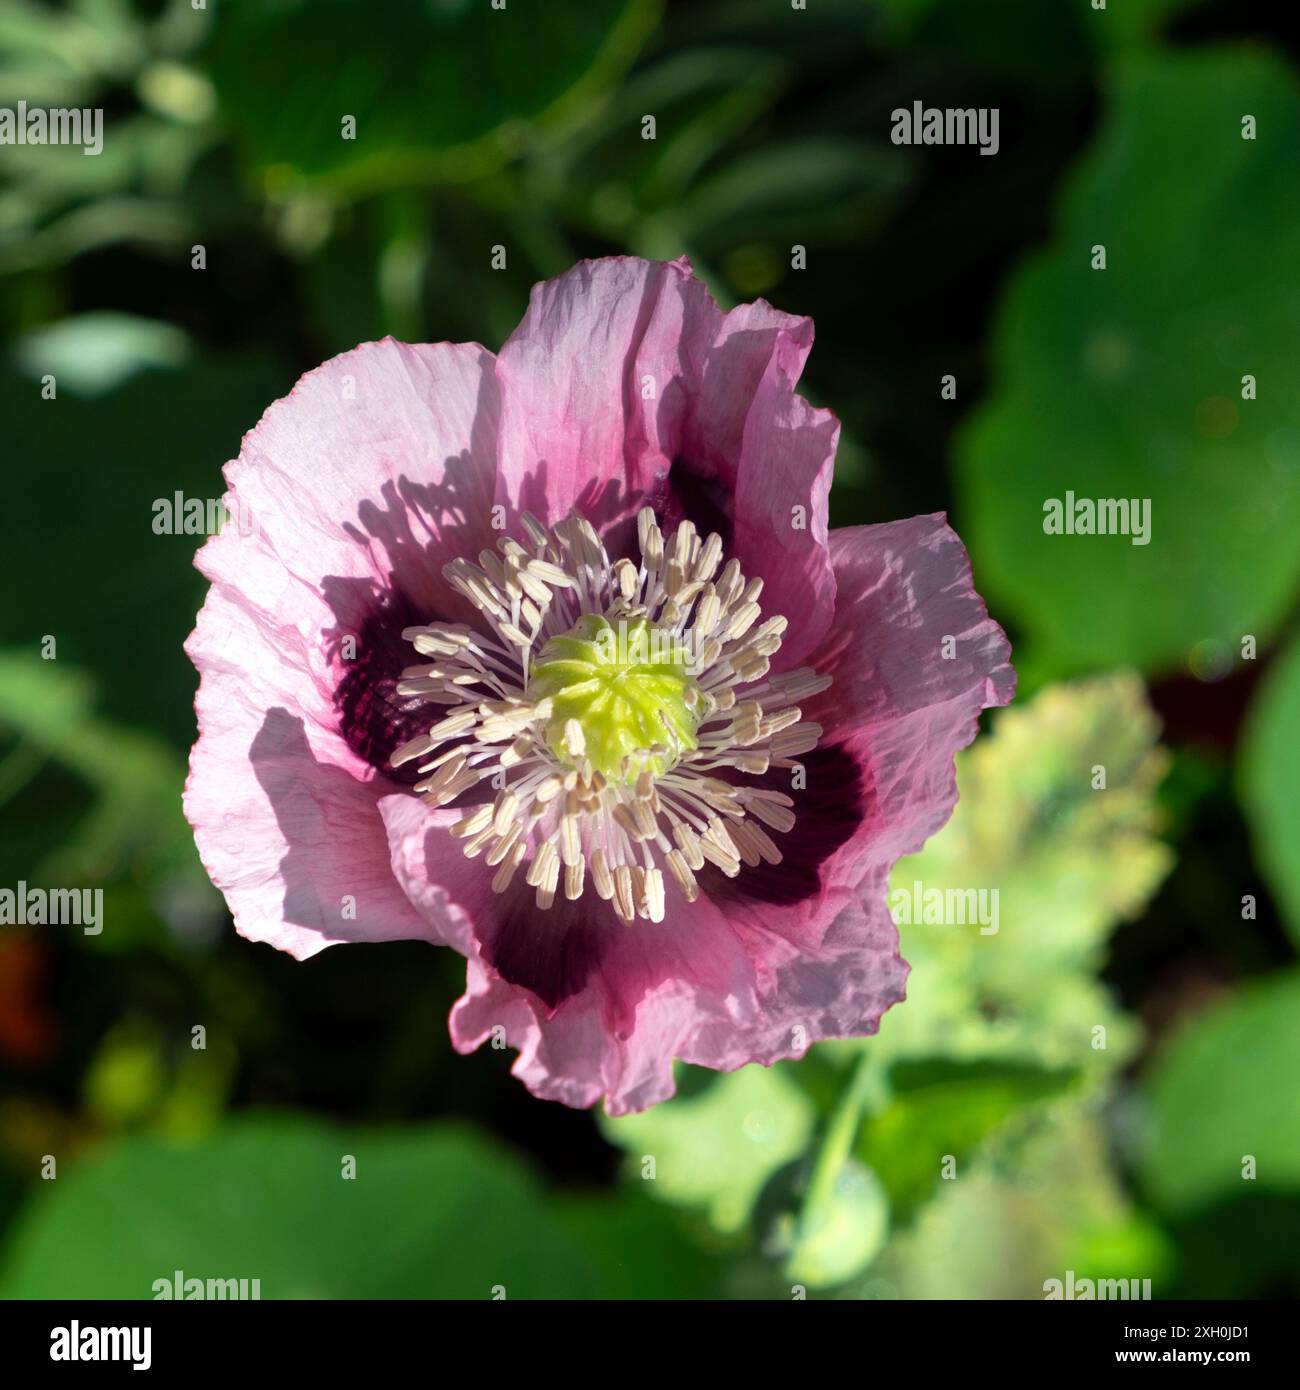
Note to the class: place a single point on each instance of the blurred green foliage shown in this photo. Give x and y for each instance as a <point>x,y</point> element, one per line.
<point>1079,1089</point>
<point>1069,861</point>
<point>1128,381</point>
<point>1223,1098</point>
<point>478,85</point>
<point>1270,776</point>
<point>434,1212</point>
<point>1002,1018</point>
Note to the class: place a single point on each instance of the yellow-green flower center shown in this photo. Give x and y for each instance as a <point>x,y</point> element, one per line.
<point>629,688</point>
<point>620,750</point>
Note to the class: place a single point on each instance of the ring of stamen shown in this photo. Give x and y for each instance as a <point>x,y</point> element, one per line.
<point>598,701</point>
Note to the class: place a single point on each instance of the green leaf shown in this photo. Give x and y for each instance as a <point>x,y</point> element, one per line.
<point>437,91</point>
<point>125,832</point>
<point>1270,781</point>
<point>1067,862</point>
<point>439,1212</point>
<point>1224,1090</point>
<point>717,1149</point>
<point>1127,382</point>
<point>136,779</point>
<point>606,173</point>
<point>945,1111</point>
<point>89,568</point>
<point>1033,1206</point>
<point>58,56</point>
<point>828,1241</point>
<point>641,1248</point>
<point>92,354</point>
<point>840,186</point>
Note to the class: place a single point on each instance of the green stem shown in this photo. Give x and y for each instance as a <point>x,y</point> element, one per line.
<point>837,1142</point>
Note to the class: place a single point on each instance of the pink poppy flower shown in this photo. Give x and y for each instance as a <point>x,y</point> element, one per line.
<point>549,657</point>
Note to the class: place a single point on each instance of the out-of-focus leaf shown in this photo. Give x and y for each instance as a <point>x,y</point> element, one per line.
<point>695,186</point>
<point>122,600</point>
<point>136,779</point>
<point>143,1076</point>
<point>1126,383</point>
<point>1044,1203</point>
<point>1067,862</point>
<point>127,834</point>
<point>125,1079</point>
<point>439,1212</point>
<point>1270,781</point>
<point>942,1113</point>
<point>1244,1247</point>
<point>827,1242</point>
<point>608,174</point>
<point>56,56</point>
<point>178,92</point>
<point>837,187</point>
<point>715,1150</point>
<point>95,353</point>
<point>59,201</point>
<point>125,181</point>
<point>639,1247</point>
<point>437,91</point>
<point>1226,1092</point>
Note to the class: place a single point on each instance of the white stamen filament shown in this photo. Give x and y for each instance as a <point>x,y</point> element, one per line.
<point>573,826</point>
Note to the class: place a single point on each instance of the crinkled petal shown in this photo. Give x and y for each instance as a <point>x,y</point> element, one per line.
<point>905,699</point>
<point>344,502</point>
<point>625,385</point>
<point>767,963</point>
<point>630,999</point>
<point>915,659</point>
<point>821,948</point>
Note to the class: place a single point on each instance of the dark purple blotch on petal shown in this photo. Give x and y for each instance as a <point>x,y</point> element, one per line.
<point>687,493</point>
<point>373,719</point>
<point>828,811</point>
<point>554,952</point>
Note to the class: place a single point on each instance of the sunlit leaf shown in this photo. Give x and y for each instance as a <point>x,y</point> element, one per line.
<point>439,1212</point>
<point>1066,859</point>
<point>938,1118</point>
<point>1044,1203</point>
<point>94,353</point>
<point>832,1240</point>
<point>715,1150</point>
